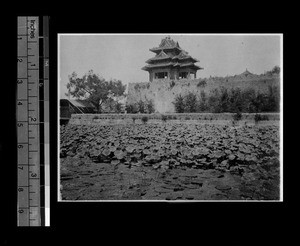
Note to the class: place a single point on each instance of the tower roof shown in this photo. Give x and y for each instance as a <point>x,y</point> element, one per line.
<point>171,64</point>
<point>161,56</point>
<point>166,44</point>
<point>183,55</point>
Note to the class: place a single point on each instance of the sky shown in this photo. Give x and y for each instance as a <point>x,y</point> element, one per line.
<point>122,56</point>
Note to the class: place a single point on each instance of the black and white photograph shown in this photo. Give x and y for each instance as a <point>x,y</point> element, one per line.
<point>170,117</point>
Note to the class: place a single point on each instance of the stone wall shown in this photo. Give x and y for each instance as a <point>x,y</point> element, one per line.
<point>109,119</point>
<point>163,92</point>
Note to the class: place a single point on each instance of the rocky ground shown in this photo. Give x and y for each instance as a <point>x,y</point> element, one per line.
<point>169,162</point>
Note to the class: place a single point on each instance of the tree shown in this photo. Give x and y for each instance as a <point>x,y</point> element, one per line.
<point>94,89</point>
<point>236,102</point>
<point>190,103</point>
<point>150,107</point>
<point>131,108</point>
<point>141,106</point>
<point>275,70</point>
<point>179,104</point>
<point>118,107</point>
<point>261,103</point>
<point>249,97</point>
<point>224,100</point>
<point>109,105</point>
<point>214,101</point>
<point>273,99</point>
<point>203,101</point>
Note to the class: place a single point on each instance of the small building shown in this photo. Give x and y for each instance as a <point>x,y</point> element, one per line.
<point>171,62</point>
<point>68,107</point>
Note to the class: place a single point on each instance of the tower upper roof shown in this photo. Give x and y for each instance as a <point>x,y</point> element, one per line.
<point>166,44</point>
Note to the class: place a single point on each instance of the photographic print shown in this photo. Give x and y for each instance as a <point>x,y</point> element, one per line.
<point>170,117</point>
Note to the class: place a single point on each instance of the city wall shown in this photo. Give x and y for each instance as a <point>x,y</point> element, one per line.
<point>163,92</point>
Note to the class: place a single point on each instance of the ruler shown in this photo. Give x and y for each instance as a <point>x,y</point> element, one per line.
<point>33,121</point>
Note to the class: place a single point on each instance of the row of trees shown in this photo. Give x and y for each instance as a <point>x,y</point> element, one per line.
<point>233,100</point>
<point>143,107</point>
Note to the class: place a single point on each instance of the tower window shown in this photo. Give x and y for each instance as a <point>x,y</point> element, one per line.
<point>183,75</point>
<point>161,75</point>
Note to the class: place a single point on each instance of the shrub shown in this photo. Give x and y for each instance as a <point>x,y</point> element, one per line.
<point>118,107</point>
<point>234,123</point>
<point>187,118</point>
<point>164,118</point>
<point>131,108</point>
<point>259,117</point>
<point>95,117</point>
<point>144,119</point>
<point>237,116</point>
<point>150,107</point>
<point>133,119</point>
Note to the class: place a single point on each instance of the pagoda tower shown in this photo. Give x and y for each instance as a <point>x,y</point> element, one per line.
<point>171,62</point>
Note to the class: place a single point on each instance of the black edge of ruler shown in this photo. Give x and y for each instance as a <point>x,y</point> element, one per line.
<point>41,117</point>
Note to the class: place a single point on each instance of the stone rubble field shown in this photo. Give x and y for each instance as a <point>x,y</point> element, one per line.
<point>169,161</point>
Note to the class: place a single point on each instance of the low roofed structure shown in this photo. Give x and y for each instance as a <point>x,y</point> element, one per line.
<point>71,106</point>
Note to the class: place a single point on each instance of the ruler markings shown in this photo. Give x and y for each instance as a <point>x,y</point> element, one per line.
<point>28,60</point>
<point>33,63</point>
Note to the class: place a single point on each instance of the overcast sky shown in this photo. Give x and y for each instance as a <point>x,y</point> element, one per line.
<point>122,56</point>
